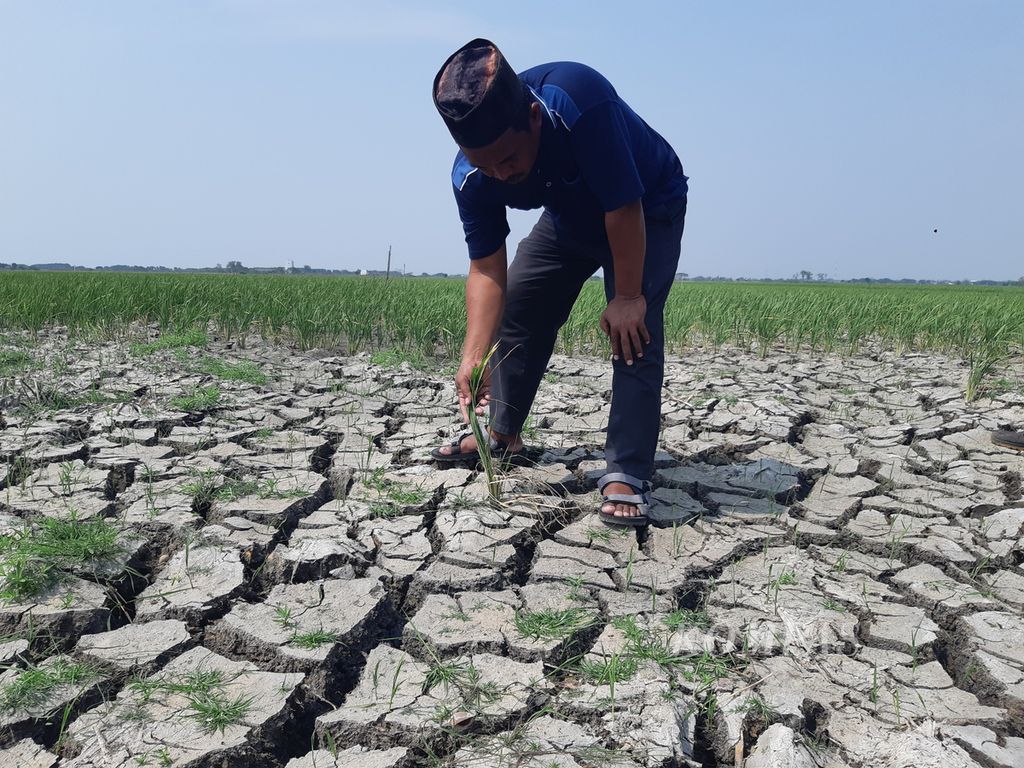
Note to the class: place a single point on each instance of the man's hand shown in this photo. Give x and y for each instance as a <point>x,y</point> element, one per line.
<point>485,301</point>
<point>462,379</point>
<point>623,321</point>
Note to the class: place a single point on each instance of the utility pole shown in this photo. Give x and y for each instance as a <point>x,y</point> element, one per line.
<point>387,275</point>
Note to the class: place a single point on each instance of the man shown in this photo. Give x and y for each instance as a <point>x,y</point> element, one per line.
<point>558,136</point>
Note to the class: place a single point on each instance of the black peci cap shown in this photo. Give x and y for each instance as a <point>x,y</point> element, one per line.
<point>478,94</point>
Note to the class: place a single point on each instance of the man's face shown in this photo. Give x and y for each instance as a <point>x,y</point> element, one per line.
<point>510,158</point>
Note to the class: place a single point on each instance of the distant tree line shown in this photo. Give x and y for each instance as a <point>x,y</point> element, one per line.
<point>237,268</point>
<point>232,267</point>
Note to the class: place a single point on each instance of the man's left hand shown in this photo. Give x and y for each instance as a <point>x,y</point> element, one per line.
<point>623,321</point>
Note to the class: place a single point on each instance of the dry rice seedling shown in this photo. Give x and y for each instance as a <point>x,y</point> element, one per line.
<point>476,383</point>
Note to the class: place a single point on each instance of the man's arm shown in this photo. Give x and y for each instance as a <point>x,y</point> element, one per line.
<point>485,302</point>
<point>623,320</point>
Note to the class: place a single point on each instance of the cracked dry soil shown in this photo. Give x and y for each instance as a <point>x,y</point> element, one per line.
<point>835,577</point>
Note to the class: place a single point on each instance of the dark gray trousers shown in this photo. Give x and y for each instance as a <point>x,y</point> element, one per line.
<point>544,280</point>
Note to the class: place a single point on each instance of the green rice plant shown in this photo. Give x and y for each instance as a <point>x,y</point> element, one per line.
<point>982,362</point>
<point>419,317</point>
<point>530,431</point>
<point>396,682</point>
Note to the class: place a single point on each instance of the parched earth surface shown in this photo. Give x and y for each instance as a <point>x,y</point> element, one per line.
<point>835,577</point>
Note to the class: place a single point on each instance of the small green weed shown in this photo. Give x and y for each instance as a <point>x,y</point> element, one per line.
<point>552,624</point>
<point>314,639</point>
<point>208,702</point>
<point>34,686</point>
<point>214,711</point>
<point>14,362</point>
<point>245,370</point>
<point>33,559</point>
<point>611,669</point>
<point>198,399</point>
<point>684,618</point>
<point>191,338</point>
<point>202,487</point>
<point>831,604</point>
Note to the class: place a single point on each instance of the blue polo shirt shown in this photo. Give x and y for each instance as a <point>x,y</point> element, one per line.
<point>596,154</point>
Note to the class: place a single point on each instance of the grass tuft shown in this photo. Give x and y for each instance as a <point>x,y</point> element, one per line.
<point>34,559</point>
<point>246,370</point>
<point>194,337</point>
<point>551,624</point>
<point>197,399</point>
<point>35,685</point>
<point>314,639</point>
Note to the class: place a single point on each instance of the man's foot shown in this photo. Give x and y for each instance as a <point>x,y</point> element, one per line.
<point>513,444</point>
<point>619,508</point>
<point>1009,439</point>
<point>625,500</point>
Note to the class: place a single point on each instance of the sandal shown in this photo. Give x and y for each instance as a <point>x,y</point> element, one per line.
<point>499,449</point>
<point>1006,438</point>
<point>639,500</point>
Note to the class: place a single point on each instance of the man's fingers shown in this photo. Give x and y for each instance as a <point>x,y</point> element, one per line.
<point>634,336</point>
<point>616,348</point>
<point>626,346</point>
<point>644,332</point>
<point>606,326</point>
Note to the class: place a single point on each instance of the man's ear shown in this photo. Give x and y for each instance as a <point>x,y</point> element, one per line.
<point>535,113</point>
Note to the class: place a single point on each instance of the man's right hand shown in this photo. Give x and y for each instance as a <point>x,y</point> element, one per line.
<point>485,301</point>
<point>462,379</point>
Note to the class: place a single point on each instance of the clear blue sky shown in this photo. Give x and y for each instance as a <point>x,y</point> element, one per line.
<point>817,135</point>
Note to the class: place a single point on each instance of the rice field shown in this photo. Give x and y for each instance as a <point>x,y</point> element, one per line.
<point>426,316</point>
